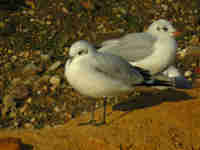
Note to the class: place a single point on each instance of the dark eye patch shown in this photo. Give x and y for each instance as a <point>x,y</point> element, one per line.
<point>81,52</point>
<point>165,29</point>
<point>158,28</point>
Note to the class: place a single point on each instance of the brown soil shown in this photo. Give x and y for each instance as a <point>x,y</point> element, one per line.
<point>163,120</point>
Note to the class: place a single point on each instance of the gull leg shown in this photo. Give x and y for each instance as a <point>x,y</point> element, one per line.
<point>92,120</point>
<point>104,113</point>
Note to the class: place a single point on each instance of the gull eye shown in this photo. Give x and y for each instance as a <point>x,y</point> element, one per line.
<point>80,52</point>
<point>165,29</point>
<point>158,28</point>
<point>83,51</point>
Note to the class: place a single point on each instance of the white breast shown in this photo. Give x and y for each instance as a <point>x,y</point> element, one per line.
<point>84,78</point>
<point>163,56</point>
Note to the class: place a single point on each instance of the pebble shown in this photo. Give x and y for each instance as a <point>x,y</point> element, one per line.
<point>2,24</point>
<point>28,126</point>
<point>165,7</point>
<point>30,69</point>
<point>8,103</point>
<point>65,10</point>
<point>48,22</point>
<point>158,1</point>
<point>182,53</point>
<point>1,85</point>
<point>45,57</point>
<point>196,83</point>
<point>32,20</point>
<point>55,80</point>
<point>31,12</point>
<point>54,66</point>
<point>56,109</point>
<point>188,73</point>
<point>20,92</point>
<point>13,58</point>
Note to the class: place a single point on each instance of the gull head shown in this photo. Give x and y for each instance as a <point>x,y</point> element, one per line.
<point>81,47</point>
<point>162,27</point>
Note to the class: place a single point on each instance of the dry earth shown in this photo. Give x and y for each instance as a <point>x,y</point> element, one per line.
<point>162,120</point>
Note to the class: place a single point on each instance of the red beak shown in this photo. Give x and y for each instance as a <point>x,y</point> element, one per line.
<point>176,33</point>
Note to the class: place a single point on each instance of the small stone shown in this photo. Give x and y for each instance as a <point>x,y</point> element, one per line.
<point>20,92</point>
<point>31,12</point>
<point>16,81</point>
<point>196,83</point>
<point>48,22</point>
<point>157,1</point>
<point>24,11</point>
<point>29,100</point>
<point>28,126</point>
<point>188,73</point>
<point>165,7</point>
<point>8,103</point>
<point>55,80</point>
<point>45,57</point>
<point>1,85</point>
<point>32,20</point>
<point>66,49</point>
<point>30,69</point>
<point>2,24</point>
<point>13,58</point>
<point>23,109</point>
<point>54,66</point>
<point>182,53</point>
<point>65,10</point>
<point>57,109</point>
<point>33,120</point>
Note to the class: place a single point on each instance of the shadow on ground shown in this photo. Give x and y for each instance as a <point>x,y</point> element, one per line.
<point>149,99</point>
<point>26,147</point>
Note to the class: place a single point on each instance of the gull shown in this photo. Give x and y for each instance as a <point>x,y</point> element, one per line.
<point>96,74</point>
<point>153,50</point>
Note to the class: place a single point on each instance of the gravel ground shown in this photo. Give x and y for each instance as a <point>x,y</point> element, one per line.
<point>35,37</point>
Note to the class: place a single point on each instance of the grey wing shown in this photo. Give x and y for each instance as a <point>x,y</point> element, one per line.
<point>132,47</point>
<point>117,68</point>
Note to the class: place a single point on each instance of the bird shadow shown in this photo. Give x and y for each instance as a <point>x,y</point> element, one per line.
<point>26,147</point>
<point>149,99</point>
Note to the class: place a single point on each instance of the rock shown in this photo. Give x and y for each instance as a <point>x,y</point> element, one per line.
<point>158,1</point>
<point>165,7</point>
<point>1,87</point>
<point>182,53</point>
<point>20,91</point>
<point>196,83</point>
<point>197,71</point>
<point>9,103</point>
<point>28,126</point>
<point>65,10</point>
<point>10,143</point>
<point>55,80</point>
<point>57,109</point>
<point>30,69</point>
<point>188,73</point>
<point>45,57</point>
<point>54,66</point>
<point>16,81</point>
<point>48,22</point>
<point>40,86</point>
